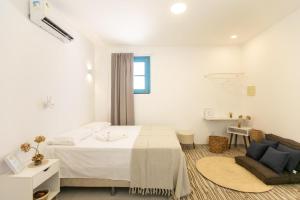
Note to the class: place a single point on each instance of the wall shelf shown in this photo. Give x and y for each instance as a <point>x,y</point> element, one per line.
<point>224,75</point>
<point>220,119</point>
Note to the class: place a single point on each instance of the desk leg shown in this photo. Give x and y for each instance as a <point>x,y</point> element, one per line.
<point>230,141</point>
<point>235,141</point>
<point>249,140</point>
<point>245,142</point>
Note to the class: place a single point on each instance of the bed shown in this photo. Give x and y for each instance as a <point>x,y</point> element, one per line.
<point>149,160</point>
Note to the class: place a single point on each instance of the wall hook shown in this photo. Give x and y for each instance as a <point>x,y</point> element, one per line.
<point>48,103</point>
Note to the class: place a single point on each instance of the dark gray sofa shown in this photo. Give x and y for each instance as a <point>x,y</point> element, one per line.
<point>264,173</point>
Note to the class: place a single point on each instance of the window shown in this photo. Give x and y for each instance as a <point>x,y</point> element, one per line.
<point>141,75</point>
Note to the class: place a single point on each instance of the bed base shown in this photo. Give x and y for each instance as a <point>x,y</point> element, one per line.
<point>91,182</point>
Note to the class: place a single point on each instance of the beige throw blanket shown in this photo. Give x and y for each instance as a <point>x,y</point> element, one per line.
<point>158,165</point>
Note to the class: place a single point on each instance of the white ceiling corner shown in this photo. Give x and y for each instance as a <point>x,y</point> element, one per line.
<point>150,22</point>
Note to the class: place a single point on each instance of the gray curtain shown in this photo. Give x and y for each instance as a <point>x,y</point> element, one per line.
<point>122,103</point>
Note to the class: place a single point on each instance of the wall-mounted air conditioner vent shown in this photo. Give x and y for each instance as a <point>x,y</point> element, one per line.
<point>42,15</point>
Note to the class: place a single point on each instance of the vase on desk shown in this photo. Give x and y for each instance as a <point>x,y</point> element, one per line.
<point>239,125</point>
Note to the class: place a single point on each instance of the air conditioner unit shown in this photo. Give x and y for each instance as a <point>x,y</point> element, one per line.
<point>43,15</point>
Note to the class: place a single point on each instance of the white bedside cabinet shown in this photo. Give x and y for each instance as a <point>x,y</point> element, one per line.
<point>22,186</point>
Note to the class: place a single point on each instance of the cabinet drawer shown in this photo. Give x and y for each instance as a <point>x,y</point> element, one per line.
<point>45,174</point>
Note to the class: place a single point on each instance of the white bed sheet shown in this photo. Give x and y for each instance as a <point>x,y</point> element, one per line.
<point>92,158</point>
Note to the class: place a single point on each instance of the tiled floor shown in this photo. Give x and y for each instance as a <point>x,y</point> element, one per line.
<point>99,194</point>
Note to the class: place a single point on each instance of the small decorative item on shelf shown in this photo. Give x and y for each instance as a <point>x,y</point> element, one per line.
<point>230,115</point>
<point>37,158</point>
<point>41,195</point>
<point>242,119</point>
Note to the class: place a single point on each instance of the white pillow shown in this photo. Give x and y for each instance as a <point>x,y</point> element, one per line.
<point>71,138</point>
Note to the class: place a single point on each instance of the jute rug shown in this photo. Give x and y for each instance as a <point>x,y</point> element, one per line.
<point>226,173</point>
<point>204,189</point>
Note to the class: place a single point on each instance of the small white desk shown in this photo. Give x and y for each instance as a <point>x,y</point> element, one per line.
<point>242,131</point>
<point>22,186</point>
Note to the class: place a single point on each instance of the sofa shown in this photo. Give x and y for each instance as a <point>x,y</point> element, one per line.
<point>264,173</point>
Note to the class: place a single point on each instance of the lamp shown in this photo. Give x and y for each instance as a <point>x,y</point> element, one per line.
<point>89,75</point>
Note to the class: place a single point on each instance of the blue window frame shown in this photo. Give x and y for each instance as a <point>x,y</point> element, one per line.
<point>141,75</point>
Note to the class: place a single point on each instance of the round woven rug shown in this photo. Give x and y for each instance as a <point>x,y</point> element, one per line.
<point>224,172</point>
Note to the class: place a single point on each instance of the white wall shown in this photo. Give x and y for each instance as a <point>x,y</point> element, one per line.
<point>179,91</point>
<point>272,63</point>
<point>34,65</point>
<point>102,83</point>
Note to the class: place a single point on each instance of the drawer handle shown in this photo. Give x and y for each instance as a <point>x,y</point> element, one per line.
<point>46,169</point>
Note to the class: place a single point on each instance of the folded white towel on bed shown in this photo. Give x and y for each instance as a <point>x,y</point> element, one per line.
<point>110,136</point>
<point>71,138</point>
<point>97,126</point>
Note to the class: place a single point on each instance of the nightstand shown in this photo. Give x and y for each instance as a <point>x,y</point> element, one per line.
<point>22,186</point>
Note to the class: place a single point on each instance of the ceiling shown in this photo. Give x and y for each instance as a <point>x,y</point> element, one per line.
<point>150,22</point>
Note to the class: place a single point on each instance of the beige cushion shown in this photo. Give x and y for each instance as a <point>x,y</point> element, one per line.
<point>185,137</point>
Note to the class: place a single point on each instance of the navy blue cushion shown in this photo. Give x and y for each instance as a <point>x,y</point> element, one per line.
<point>294,157</point>
<point>271,143</point>
<point>256,150</point>
<point>276,160</point>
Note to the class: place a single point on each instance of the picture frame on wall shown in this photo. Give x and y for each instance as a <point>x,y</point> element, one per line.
<point>14,163</point>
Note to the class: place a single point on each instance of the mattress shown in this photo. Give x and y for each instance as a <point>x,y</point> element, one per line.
<point>92,158</point>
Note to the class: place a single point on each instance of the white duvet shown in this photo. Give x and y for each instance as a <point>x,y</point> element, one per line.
<point>93,158</point>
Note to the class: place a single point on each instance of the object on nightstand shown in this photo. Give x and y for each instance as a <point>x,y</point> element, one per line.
<point>186,137</point>
<point>37,158</point>
<point>218,144</point>
<point>41,195</point>
<point>14,163</point>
